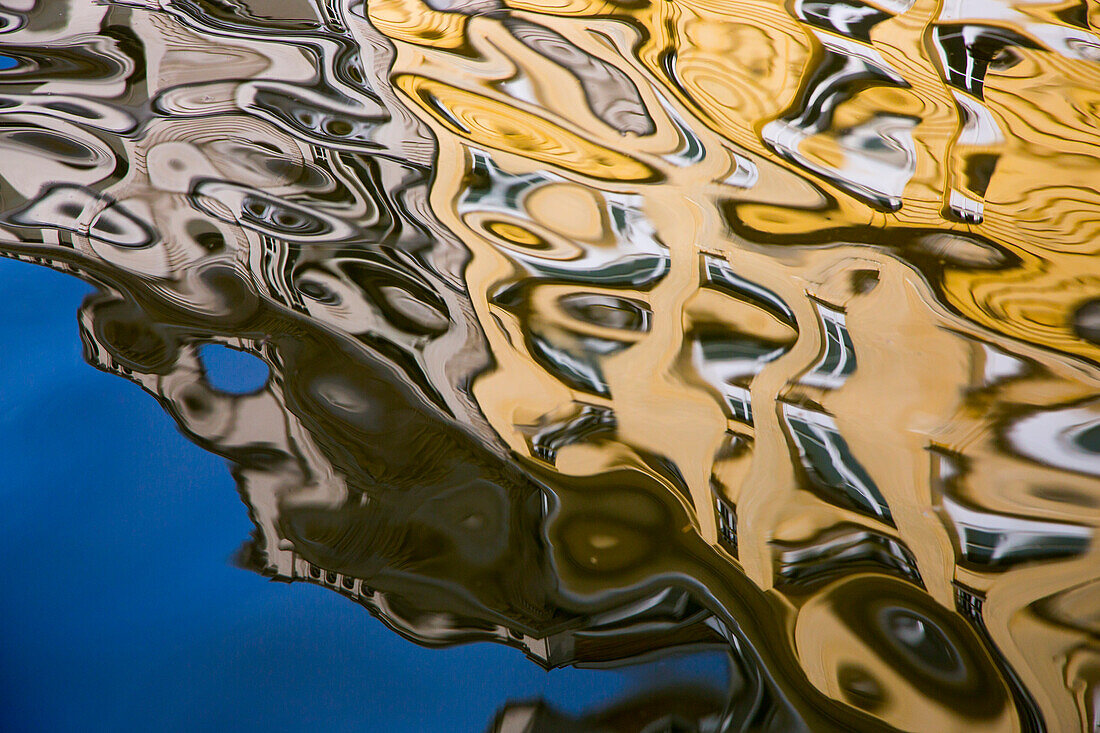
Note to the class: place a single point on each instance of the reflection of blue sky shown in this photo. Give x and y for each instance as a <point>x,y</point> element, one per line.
<point>121,610</point>
<point>233,371</point>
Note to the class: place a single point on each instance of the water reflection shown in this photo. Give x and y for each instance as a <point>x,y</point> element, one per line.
<point>606,330</point>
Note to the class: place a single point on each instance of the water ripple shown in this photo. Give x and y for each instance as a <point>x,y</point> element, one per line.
<point>606,329</point>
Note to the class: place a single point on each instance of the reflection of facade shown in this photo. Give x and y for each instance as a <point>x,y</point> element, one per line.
<point>556,384</point>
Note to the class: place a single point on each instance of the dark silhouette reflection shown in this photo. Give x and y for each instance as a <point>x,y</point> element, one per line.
<point>354,483</point>
<point>686,709</point>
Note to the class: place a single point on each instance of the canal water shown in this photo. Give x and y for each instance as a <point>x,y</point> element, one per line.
<point>511,366</point>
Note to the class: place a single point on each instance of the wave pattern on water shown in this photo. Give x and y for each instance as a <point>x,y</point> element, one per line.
<point>606,329</point>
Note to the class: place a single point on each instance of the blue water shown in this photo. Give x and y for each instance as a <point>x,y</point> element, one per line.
<point>121,609</point>
<point>233,371</point>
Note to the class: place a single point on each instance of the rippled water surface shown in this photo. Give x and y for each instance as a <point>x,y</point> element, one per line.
<point>738,357</point>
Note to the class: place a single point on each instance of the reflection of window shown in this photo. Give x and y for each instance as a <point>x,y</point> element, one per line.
<point>493,189</point>
<point>719,274</point>
<point>833,554</point>
<point>577,372</point>
<point>723,361</point>
<point>727,524</point>
<point>592,422</point>
<point>829,463</point>
<point>1066,437</point>
<point>838,359</point>
<point>739,402</point>
<point>637,257</point>
<point>986,538</point>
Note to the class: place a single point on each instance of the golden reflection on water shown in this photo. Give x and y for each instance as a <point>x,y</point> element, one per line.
<point>601,328</point>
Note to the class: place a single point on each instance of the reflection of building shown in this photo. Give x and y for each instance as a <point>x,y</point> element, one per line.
<point>599,434</point>
<point>818,425</point>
